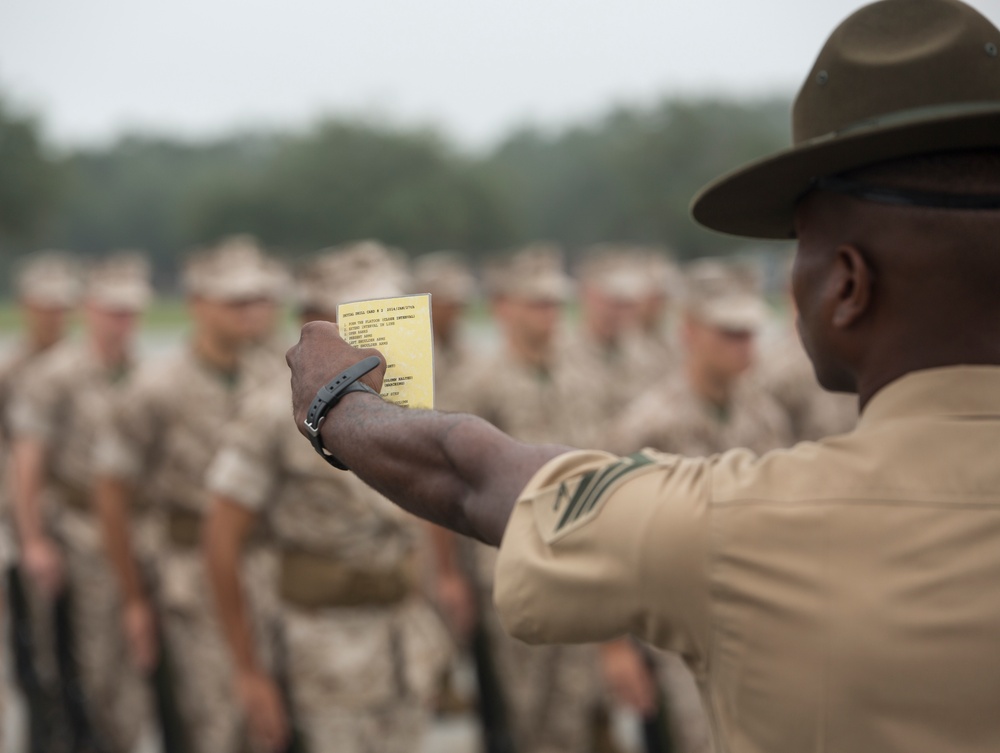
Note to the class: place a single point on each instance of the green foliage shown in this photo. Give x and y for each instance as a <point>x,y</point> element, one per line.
<point>628,176</point>
<point>346,181</point>
<point>27,178</point>
<point>146,193</point>
<point>632,175</point>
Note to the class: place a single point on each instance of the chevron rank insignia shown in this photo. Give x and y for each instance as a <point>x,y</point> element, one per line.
<point>569,505</point>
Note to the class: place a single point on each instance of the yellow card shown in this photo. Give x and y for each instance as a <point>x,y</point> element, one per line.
<point>401,329</point>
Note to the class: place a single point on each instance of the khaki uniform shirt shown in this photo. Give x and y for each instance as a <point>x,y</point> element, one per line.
<point>788,376</point>
<point>672,418</point>
<point>838,596</point>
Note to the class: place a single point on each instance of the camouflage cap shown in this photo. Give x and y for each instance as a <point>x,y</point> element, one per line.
<point>351,272</point>
<point>444,274</point>
<point>120,282</point>
<point>619,272</point>
<point>663,274</point>
<point>50,278</point>
<point>725,294</point>
<point>535,273</point>
<point>236,269</point>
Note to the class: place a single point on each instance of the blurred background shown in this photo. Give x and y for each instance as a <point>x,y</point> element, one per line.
<point>435,124</point>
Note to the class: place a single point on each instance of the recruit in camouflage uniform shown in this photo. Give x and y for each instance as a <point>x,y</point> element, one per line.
<point>167,424</point>
<point>526,391</point>
<point>48,288</point>
<point>451,286</point>
<point>360,648</point>
<point>55,418</point>
<point>446,277</point>
<point>706,407</point>
<point>612,284</point>
<point>651,347</point>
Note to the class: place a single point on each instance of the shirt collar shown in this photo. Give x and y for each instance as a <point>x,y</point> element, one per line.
<point>949,391</point>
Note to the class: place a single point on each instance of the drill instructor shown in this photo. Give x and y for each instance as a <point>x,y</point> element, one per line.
<point>842,595</point>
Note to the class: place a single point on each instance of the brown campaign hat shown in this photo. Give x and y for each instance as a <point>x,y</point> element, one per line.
<point>898,78</point>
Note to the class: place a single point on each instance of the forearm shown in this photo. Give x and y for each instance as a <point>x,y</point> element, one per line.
<point>452,469</point>
<point>222,547</point>
<point>28,458</point>
<point>112,497</point>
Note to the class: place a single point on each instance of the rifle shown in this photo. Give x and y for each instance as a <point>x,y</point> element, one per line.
<point>173,734</point>
<point>492,708</point>
<point>22,647</point>
<point>84,738</point>
<point>656,735</point>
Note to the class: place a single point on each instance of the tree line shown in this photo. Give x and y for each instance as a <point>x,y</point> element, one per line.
<point>627,175</point>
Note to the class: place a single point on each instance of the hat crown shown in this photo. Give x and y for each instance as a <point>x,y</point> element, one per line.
<point>536,271</point>
<point>899,58</point>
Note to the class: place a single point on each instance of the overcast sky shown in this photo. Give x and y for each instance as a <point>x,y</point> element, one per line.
<point>476,68</point>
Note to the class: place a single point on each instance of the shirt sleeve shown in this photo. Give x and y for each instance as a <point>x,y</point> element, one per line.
<point>246,467</point>
<point>600,545</point>
<point>33,411</point>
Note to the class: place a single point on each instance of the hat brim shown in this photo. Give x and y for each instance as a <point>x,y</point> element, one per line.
<point>759,199</point>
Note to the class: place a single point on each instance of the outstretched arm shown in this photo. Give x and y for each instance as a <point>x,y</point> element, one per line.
<point>452,469</point>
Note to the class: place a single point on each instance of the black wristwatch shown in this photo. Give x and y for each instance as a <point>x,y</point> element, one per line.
<point>328,396</point>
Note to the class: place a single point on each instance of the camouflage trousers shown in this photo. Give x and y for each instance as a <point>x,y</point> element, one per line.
<point>198,659</point>
<point>551,691</point>
<point>361,679</point>
<point>115,693</point>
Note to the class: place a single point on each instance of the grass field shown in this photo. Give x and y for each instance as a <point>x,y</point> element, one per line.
<point>170,315</point>
<point>164,315</point>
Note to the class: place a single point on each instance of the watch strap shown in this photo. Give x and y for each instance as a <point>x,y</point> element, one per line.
<point>328,396</point>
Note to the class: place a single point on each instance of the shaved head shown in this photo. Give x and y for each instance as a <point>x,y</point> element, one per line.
<point>883,289</point>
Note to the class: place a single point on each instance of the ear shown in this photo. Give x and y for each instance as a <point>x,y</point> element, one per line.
<point>852,281</point>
